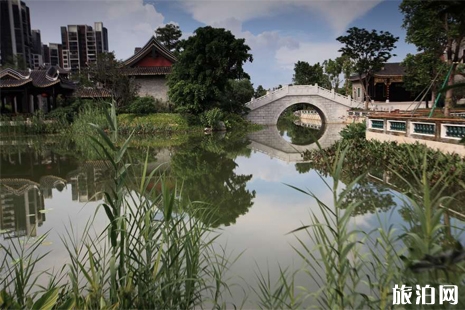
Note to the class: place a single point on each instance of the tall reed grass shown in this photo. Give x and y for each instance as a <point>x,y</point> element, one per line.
<point>358,269</point>
<point>151,255</point>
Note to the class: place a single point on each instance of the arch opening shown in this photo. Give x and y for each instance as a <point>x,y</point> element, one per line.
<point>301,124</point>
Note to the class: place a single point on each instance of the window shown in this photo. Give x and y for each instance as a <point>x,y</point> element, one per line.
<point>358,92</point>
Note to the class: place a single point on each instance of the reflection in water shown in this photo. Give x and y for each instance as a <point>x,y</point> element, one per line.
<point>298,134</point>
<point>20,208</point>
<point>206,169</point>
<point>28,178</point>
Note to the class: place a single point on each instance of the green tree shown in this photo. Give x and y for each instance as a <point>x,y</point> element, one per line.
<point>169,36</point>
<point>238,93</point>
<point>209,59</point>
<point>347,69</point>
<point>421,69</point>
<point>435,27</point>
<point>107,73</point>
<point>368,51</point>
<point>260,91</point>
<point>306,74</point>
<point>333,69</point>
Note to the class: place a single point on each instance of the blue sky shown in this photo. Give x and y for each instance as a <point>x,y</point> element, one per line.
<point>280,33</point>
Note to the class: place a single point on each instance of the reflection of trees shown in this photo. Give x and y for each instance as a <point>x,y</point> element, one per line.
<point>299,135</point>
<point>381,160</point>
<point>207,172</point>
<point>373,197</point>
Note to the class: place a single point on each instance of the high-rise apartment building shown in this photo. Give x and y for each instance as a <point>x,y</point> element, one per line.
<point>82,43</point>
<point>55,51</point>
<point>16,39</point>
<point>46,53</point>
<point>37,50</point>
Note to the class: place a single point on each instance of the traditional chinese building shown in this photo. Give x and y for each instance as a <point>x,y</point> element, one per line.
<point>25,91</point>
<point>150,66</point>
<point>386,85</point>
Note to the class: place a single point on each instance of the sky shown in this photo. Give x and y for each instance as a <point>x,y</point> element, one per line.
<point>279,32</point>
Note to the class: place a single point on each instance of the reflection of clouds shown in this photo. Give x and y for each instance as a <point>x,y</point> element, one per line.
<point>278,209</point>
<point>263,167</point>
<point>363,221</point>
<point>66,214</point>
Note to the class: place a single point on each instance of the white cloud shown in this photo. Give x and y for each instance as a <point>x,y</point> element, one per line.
<point>338,13</point>
<point>310,52</point>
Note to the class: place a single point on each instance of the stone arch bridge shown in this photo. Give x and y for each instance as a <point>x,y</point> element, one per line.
<point>332,107</point>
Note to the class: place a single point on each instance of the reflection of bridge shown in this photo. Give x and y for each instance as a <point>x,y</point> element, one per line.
<point>331,106</point>
<point>309,123</point>
<point>270,142</point>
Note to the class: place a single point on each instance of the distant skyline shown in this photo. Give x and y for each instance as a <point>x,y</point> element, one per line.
<point>280,33</point>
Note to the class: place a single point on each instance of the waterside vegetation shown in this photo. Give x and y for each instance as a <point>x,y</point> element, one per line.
<point>158,250</point>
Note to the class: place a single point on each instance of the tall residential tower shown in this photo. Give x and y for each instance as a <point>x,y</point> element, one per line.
<point>81,44</point>
<point>15,33</point>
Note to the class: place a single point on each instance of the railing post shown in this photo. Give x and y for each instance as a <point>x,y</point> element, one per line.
<point>317,90</point>
<point>333,93</point>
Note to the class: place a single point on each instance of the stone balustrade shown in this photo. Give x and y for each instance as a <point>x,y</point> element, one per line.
<point>439,133</point>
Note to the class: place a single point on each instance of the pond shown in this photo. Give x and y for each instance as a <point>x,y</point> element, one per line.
<point>51,185</point>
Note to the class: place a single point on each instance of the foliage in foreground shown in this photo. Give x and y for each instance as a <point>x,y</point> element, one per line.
<point>151,255</point>
<point>355,268</point>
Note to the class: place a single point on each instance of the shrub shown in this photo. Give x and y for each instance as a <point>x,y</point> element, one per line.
<point>147,105</point>
<point>211,118</point>
<point>354,131</point>
<point>142,105</point>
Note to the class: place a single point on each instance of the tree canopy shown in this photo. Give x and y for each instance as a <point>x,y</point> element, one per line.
<point>209,59</point>
<point>238,93</point>
<point>169,36</point>
<point>106,71</point>
<point>435,27</point>
<point>333,69</point>
<point>260,91</point>
<point>421,69</point>
<point>368,50</point>
<point>306,74</point>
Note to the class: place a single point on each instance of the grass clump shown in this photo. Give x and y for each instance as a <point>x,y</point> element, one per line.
<point>152,123</point>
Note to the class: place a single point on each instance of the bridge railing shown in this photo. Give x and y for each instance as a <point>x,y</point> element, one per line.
<point>269,95</point>
<point>304,90</point>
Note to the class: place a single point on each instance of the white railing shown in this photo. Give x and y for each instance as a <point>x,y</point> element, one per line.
<point>303,90</point>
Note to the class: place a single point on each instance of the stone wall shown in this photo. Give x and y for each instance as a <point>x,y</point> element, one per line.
<point>154,86</point>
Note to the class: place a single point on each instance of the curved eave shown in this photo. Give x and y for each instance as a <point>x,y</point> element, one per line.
<point>14,73</point>
<point>46,85</point>
<point>147,49</point>
<point>388,76</point>
<point>21,83</point>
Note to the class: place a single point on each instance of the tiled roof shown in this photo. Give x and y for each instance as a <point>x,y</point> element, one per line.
<point>152,43</point>
<point>39,78</point>
<point>92,93</point>
<point>147,70</point>
<point>389,69</point>
<point>14,83</point>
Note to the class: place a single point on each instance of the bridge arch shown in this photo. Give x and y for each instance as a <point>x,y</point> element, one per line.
<point>267,109</point>
<point>321,110</point>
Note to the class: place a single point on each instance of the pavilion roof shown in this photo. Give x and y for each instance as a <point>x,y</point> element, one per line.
<point>153,45</point>
<point>39,78</point>
<point>147,70</point>
<point>388,70</point>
